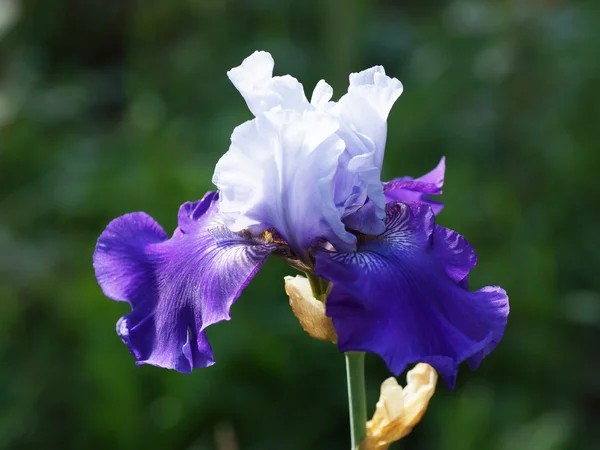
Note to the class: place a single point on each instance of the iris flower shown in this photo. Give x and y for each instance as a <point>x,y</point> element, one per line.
<point>302,181</point>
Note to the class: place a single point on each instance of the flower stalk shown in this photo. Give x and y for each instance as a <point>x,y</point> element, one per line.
<point>355,376</point>
<point>319,287</point>
<point>357,400</point>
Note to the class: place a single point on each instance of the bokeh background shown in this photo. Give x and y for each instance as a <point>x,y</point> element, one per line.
<point>112,106</point>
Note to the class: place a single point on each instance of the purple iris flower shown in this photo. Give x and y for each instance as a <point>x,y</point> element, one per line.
<point>302,180</point>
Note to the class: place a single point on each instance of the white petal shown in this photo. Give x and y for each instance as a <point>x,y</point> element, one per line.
<point>262,92</point>
<point>379,90</point>
<point>322,94</point>
<point>279,173</point>
<point>365,108</point>
<point>254,72</point>
<point>363,113</point>
<point>297,154</point>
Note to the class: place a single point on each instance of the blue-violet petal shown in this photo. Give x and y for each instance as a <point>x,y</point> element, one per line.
<point>402,295</point>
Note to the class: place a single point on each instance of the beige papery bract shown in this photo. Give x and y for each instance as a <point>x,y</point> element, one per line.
<point>400,409</point>
<point>309,311</point>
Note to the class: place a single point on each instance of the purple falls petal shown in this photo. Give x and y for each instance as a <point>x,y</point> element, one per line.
<point>403,296</point>
<point>407,189</point>
<point>176,287</point>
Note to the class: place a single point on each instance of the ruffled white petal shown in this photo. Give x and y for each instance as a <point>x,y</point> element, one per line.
<point>321,94</point>
<point>366,106</point>
<point>259,148</point>
<point>379,90</point>
<point>262,92</point>
<point>279,173</point>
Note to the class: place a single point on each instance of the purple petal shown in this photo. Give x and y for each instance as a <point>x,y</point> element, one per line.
<point>403,296</point>
<point>191,212</point>
<point>407,189</point>
<point>177,287</point>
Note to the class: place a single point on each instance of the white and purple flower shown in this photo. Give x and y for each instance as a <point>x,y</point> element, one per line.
<point>302,180</point>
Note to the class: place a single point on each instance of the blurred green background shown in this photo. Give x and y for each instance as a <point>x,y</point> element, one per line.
<point>112,106</point>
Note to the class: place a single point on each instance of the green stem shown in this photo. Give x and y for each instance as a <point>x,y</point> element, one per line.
<point>357,401</point>
<point>355,376</point>
<point>318,286</point>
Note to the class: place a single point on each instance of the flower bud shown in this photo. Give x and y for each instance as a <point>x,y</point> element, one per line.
<point>309,311</point>
<point>399,410</point>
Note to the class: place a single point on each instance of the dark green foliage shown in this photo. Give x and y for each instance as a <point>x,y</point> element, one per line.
<point>108,107</point>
